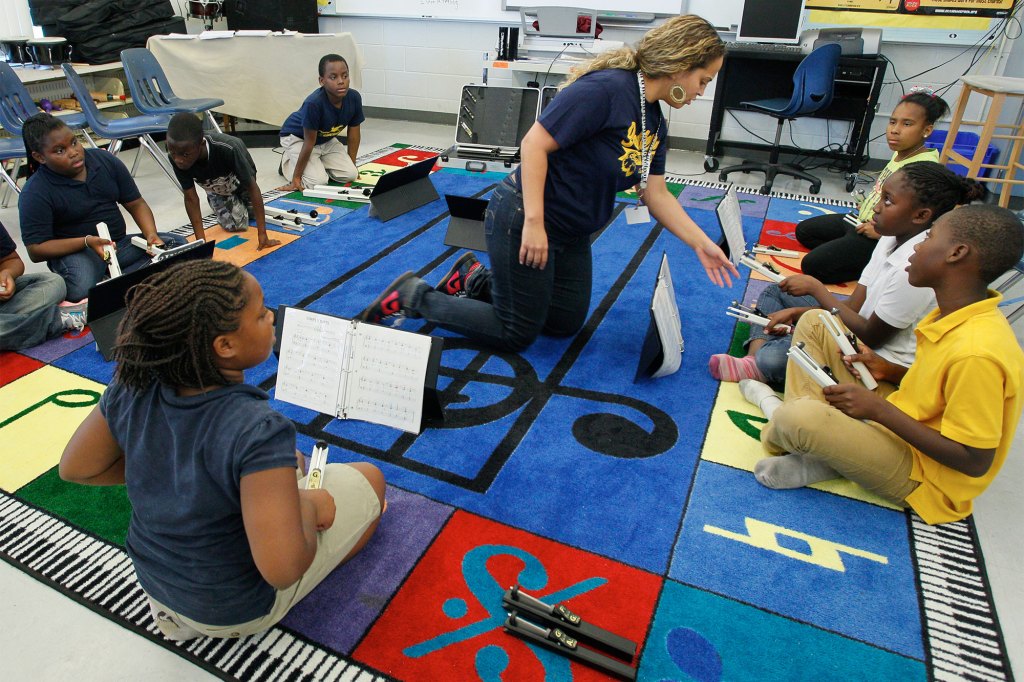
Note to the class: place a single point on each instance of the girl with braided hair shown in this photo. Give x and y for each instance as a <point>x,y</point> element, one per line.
<point>883,309</point>
<point>222,539</point>
<point>603,133</point>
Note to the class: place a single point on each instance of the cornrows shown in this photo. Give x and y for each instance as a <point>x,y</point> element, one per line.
<point>938,188</point>
<point>172,319</point>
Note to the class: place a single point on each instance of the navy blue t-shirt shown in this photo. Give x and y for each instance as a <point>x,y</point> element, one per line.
<point>52,206</point>
<point>317,113</point>
<point>7,245</point>
<point>596,123</point>
<point>184,460</point>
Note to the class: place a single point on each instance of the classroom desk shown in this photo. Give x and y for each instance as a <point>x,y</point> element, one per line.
<point>263,78</point>
<point>754,74</point>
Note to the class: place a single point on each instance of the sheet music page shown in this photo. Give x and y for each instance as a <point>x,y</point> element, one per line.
<point>666,318</point>
<point>386,377</point>
<point>665,275</point>
<point>309,372</point>
<point>731,217</point>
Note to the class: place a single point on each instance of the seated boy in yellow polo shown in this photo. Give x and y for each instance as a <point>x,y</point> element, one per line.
<point>937,442</point>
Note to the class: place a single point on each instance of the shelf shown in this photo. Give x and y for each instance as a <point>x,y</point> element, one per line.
<point>99,105</point>
<point>28,74</point>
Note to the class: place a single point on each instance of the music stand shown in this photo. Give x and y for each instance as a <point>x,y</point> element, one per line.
<point>731,219</point>
<point>107,298</point>
<point>387,202</point>
<point>662,350</point>
<point>466,227</point>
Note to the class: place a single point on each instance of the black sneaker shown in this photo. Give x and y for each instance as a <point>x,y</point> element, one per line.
<point>390,306</point>
<point>454,283</point>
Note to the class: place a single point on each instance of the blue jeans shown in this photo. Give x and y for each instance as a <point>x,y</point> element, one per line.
<point>31,316</point>
<point>508,306</point>
<point>81,270</point>
<point>771,358</point>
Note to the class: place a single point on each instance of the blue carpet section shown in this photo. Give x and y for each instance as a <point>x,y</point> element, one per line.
<point>344,247</point>
<point>847,570</point>
<point>701,636</point>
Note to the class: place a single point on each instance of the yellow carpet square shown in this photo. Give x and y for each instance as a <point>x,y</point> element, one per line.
<point>38,414</point>
<point>733,440</point>
<point>369,173</point>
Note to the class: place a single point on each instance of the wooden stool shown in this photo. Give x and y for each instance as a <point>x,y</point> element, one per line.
<point>998,88</point>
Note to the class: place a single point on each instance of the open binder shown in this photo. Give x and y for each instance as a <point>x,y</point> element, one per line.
<point>354,370</point>
<point>662,351</point>
<point>729,215</point>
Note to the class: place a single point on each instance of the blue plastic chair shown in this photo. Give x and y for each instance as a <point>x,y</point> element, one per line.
<point>11,148</point>
<point>16,104</point>
<point>119,129</point>
<point>812,92</point>
<point>152,93</point>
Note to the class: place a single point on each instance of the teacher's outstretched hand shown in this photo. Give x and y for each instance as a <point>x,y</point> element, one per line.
<point>716,264</point>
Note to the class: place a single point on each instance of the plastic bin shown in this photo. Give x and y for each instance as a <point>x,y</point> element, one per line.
<point>965,144</point>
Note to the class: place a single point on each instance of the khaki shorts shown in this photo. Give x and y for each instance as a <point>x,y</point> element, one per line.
<point>357,508</point>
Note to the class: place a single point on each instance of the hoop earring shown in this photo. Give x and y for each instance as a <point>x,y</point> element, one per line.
<point>677,94</point>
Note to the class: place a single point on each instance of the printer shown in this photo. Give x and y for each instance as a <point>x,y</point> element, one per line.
<point>855,41</point>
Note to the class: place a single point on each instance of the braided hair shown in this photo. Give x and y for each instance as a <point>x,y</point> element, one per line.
<point>171,322</point>
<point>938,188</point>
<point>33,133</point>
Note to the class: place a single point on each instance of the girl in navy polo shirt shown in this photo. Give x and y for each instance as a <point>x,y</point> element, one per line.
<point>586,147</point>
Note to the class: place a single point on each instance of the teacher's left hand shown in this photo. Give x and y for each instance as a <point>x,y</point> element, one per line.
<point>716,264</point>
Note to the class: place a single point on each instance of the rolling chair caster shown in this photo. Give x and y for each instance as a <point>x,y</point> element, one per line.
<point>851,182</point>
<point>710,164</point>
<point>815,188</point>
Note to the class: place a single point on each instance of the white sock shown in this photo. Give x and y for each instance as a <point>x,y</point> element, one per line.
<point>792,471</point>
<point>760,394</point>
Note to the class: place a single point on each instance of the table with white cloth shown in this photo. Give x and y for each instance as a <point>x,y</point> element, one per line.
<point>262,78</point>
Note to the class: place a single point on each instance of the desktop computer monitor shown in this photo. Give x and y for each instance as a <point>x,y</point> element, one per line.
<point>771,21</point>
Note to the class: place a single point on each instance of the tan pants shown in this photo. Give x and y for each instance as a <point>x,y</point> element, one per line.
<point>327,161</point>
<point>357,507</point>
<point>864,452</point>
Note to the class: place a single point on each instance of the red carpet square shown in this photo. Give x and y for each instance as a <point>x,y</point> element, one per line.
<point>445,622</point>
<point>15,365</point>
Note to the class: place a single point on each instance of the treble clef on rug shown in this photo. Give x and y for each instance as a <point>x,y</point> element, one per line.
<point>488,592</point>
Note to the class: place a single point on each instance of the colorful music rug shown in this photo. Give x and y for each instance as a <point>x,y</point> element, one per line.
<point>632,503</point>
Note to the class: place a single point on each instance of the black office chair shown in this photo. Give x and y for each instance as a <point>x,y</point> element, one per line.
<point>812,92</point>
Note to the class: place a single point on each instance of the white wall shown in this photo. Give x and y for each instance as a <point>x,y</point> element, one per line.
<point>422,65</point>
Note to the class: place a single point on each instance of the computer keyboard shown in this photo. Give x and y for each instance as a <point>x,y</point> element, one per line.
<point>777,48</point>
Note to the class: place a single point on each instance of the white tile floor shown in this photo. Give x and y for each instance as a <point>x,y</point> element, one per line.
<point>49,637</point>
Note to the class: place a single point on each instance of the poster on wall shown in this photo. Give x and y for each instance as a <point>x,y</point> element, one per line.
<point>963,8</point>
